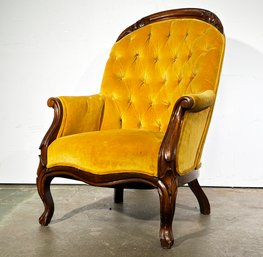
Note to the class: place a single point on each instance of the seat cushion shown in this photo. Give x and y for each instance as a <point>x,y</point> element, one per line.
<point>108,151</point>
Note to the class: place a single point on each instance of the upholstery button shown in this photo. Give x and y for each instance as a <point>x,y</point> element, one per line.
<point>139,125</point>
<point>192,77</point>
<point>189,56</point>
<point>120,76</point>
<point>149,36</point>
<point>130,101</point>
<point>156,59</point>
<point>141,82</point>
<point>159,125</point>
<point>179,80</point>
<point>174,59</point>
<point>120,122</point>
<point>136,56</point>
<point>169,35</point>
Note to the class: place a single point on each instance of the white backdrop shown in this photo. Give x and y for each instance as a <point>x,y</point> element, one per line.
<point>54,47</point>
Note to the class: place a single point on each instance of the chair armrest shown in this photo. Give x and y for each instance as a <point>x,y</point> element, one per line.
<point>201,101</point>
<point>72,115</point>
<point>186,132</point>
<point>81,114</point>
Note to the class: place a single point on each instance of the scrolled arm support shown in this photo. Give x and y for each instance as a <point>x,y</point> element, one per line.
<point>52,133</point>
<point>72,115</point>
<point>191,103</point>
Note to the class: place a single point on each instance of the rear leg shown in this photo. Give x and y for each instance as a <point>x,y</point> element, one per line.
<point>201,197</point>
<point>118,194</point>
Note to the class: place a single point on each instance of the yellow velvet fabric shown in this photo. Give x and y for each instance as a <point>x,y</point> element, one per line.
<point>193,132</point>
<point>193,129</point>
<point>147,72</point>
<point>81,114</point>
<point>149,69</point>
<point>202,100</point>
<point>108,151</point>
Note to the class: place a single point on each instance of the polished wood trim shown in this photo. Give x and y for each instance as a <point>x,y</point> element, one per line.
<point>45,176</point>
<point>193,13</point>
<point>52,133</point>
<point>167,153</point>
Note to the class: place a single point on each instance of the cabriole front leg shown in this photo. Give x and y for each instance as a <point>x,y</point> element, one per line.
<point>43,187</point>
<point>167,193</point>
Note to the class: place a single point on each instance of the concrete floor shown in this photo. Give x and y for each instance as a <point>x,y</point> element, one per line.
<point>87,223</point>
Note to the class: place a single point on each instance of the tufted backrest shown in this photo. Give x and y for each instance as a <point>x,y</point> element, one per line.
<point>153,66</point>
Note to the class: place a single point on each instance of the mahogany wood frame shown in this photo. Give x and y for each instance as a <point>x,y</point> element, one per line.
<point>168,179</point>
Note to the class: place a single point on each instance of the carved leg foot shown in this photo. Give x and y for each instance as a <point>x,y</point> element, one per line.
<point>118,194</point>
<point>167,193</point>
<point>201,197</point>
<point>166,237</point>
<point>43,186</point>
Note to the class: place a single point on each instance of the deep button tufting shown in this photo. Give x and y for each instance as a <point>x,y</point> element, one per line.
<point>120,122</point>
<point>139,125</point>
<point>179,79</point>
<point>159,125</point>
<point>164,80</point>
<point>149,36</point>
<point>141,82</point>
<point>136,56</point>
<point>129,101</point>
<point>161,71</point>
<point>156,59</point>
<point>193,75</point>
<point>120,76</point>
<point>174,59</point>
<point>189,55</point>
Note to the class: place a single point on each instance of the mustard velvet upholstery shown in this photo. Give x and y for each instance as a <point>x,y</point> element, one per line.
<point>149,69</point>
<point>121,129</point>
<point>81,114</point>
<point>193,132</point>
<point>108,151</point>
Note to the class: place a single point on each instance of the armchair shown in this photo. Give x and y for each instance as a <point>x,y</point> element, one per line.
<point>147,126</point>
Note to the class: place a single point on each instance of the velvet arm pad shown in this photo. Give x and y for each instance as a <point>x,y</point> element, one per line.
<point>202,101</point>
<point>81,114</point>
<point>193,132</point>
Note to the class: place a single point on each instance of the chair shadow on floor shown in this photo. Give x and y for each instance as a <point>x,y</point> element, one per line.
<point>132,207</point>
<point>146,209</point>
